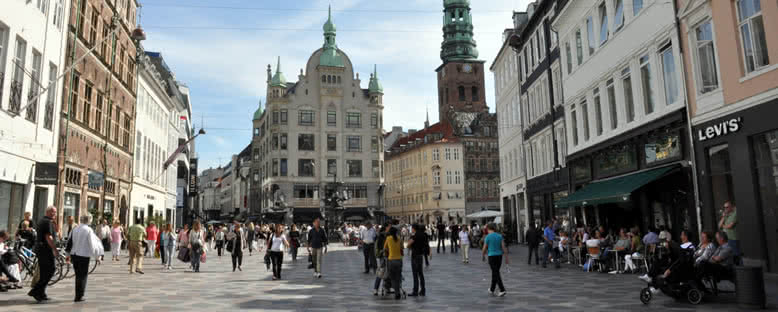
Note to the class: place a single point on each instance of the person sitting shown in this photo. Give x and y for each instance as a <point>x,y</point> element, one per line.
<point>622,245</point>
<point>707,247</point>
<point>8,267</point>
<point>636,246</point>
<point>721,262</point>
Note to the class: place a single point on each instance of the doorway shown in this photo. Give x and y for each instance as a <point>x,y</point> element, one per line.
<point>40,203</point>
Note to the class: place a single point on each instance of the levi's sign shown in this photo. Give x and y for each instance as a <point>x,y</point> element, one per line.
<point>720,129</point>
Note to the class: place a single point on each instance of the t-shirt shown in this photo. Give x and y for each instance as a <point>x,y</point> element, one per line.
<point>420,244</point>
<point>136,232</point>
<point>493,242</point>
<point>463,238</point>
<point>151,233</point>
<point>548,233</point>
<point>395,248</point>
<point>45,227</point>
<point>731,233</point>
<point>278,242</point>
<point>116,235</point>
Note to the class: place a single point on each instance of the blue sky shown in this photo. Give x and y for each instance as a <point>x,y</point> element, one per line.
<point>221,49</point>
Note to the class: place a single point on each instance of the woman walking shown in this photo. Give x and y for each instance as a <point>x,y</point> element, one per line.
<point>294,242</point>
<point>494,247</point>
<point>393,248</point>
<point>219,236</point>
<point>168,245</point>
<point>238,242</point>
<point>196,244</point>
<point>250,236</point>
<point>277,242</point>
<point>116,240</point>
<point>464,240</point>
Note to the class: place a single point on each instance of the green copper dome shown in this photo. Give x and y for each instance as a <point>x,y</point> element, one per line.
<point>278,79</point>
<point>258,113</point>
<point>330,56</point>
<point>458,43</point>
<point>375,85</point>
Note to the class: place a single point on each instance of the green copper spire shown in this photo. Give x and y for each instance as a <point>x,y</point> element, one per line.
<point>258,113</point>
<point>330,55</point>
<point>375,85</point>
<point>278,79</point>
<point>458,43</point>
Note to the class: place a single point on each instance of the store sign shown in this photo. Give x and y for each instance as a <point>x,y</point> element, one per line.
<point>96,179</point>
<point>46,173</point>
<point>193,177</point>
<point>720,129</point>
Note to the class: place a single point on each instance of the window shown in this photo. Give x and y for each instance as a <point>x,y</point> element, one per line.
<point>669,75</point>
<point>99,112</point>
<point>637,5</point>
<point>604,32</point>
<point>276,115</point>
<point>353,120</point>
<point>284,116</point>
<point>332,119</point>
<point>305,168</point>
<point>462,93</point>
<point>585,119</point>
<point>306,117</point>
<point>332,142</point>
<point>58,12</point>
<point>629,104</point>
<point>569,58</point>
<point>648,90</point>
<point>574,127</point>
<point>449,178</point>
<point>456,154</point>
<point>374,120</point>
<point>87,104</point>
<point>612,104</point>
<point>579,46</point>
<point>752,34</point>
<point>720,176</point>
<point>284,167</point>
<point>436,177</point>
<point>275,141</point>
<point>374,144</point>
<point>48,117</point>
<point>436,155</point>
<point>766,169</point>
<point>275,167</point>
<point>597,111</point>
<point>256,131</point>
<point>474,92</point>
<point>532,52</point>
<point>457,177</point>
<point>17,84</point>
<point>590,30</point>
<point>35,75</point>
<point>332,167</point>
<point>618,20</point>
<point>305,142</point>
<point>284,141</point>
<point>376,169</point>
<point>448,154</point>
<point>126,131</point>
<point>354,143</point>
<point>354,168</point>
<point>706,58</point>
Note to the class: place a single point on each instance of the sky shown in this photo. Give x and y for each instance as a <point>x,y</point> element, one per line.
<point>221,49</point>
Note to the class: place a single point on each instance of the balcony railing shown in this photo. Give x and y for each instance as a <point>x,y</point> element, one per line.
<point>32,106</point>
<point>15,102</point>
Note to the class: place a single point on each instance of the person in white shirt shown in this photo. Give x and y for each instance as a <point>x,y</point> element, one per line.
<point>82,245</point>
<point>464,240</point>
<point>278,241</point>
<point>368,236</point>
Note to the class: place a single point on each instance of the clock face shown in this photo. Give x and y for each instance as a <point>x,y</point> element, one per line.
<point>467,68</point>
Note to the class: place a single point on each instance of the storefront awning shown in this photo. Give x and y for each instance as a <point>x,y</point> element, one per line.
<point>616,190</point>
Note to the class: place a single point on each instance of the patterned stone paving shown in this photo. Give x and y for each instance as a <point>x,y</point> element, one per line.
<point>451,286</point>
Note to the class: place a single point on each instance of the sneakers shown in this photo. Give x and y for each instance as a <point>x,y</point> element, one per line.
<point>501,294</point>
<point>491,292</point>
<point>653,290</point>
<point>375,292</point>
<point>645,278</point>
<point>316,275</point>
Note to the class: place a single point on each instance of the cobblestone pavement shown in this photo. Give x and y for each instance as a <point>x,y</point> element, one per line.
<point>451,286</point>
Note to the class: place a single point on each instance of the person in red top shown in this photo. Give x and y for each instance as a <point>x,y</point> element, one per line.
<point>151,238</point>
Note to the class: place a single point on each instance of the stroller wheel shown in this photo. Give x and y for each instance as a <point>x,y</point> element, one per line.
<point>694,296</point>
<point>645,295</point>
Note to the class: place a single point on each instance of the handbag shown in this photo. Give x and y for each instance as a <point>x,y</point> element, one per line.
<point>202,258</point>
<point>183,254</point>
<point>230,245</point>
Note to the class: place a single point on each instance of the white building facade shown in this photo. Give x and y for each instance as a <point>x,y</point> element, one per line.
<point>32,52</point>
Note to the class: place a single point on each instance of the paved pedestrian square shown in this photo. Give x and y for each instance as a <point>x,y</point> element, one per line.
<point>451,286</point>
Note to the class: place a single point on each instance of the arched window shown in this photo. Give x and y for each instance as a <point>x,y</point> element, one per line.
<point>323,78</point>
<point>462,93</point>
<point>329,79</point>
<point>474,92</point>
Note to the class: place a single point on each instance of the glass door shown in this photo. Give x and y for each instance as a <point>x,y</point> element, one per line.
<point>765,151</point>
<point>720,178</point>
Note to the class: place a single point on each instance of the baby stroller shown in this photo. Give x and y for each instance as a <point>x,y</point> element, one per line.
<point>680,284</point>
<point>383,272</point>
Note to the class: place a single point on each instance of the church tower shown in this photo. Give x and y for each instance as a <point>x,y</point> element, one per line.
<point>461,76</point>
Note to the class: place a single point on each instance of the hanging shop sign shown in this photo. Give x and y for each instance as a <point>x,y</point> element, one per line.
<point>46,173</point>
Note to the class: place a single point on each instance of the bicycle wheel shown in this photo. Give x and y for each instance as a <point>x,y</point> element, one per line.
<point>94,266</point>
<point>26,270</point>
<point>60,267</point>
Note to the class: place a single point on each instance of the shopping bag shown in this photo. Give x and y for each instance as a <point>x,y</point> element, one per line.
<point>202,258</point>
<point>183,254</point>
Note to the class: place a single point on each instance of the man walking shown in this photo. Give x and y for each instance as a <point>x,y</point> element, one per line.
<point>533,241</point>
<point>494,247</point>
<point>454,238</point>
<point>549,250</point>
<point>317,240</point>
<point>82,245</point>
<point>368,235</point>
<point>441,236</point>
<point>46,252</point>
<point>420,246</point>
<point>151,238</point>
<point>136,234</point>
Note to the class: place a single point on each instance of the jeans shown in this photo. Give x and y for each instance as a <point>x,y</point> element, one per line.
<point>418,273</point>
<point>196,259</point>
<point>317,259</point>
<point>277,258</point>
<point>219,247</point>
<point>46,268</point>
<point>237,258</point>
<point>549,250</point>
<point>442,241</point>
<point>293,252</point>
<point>81,266</point>
<point>454,244</point>
<point>395,275</point>
<point>735,245</point>
<point>532,249</point>
<point>495,262</point>
<point>369,252</point>
<point>169,254</point>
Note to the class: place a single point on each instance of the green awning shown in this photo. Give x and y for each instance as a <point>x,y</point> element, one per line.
<point>616,190</point>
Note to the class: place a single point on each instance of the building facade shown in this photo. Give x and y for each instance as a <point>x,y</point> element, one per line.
<point>425,177</point>
<point>541,111</point>
<point>628,143</point>
<point>98,110</point>
<point>319,135</point>
<point>462,105</point>
<point>730,61</point>
<point>512,179</point>
<point>32,58</point>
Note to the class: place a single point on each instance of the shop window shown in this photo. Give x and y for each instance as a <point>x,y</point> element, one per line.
<point>663,149</point>
<point>765,151</point>
<point>616,160</point>
<point>720,176</point>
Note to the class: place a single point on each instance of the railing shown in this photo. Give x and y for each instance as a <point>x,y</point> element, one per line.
<point>32,106</point>
<point>15,102</point>
<point>305,202</point>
